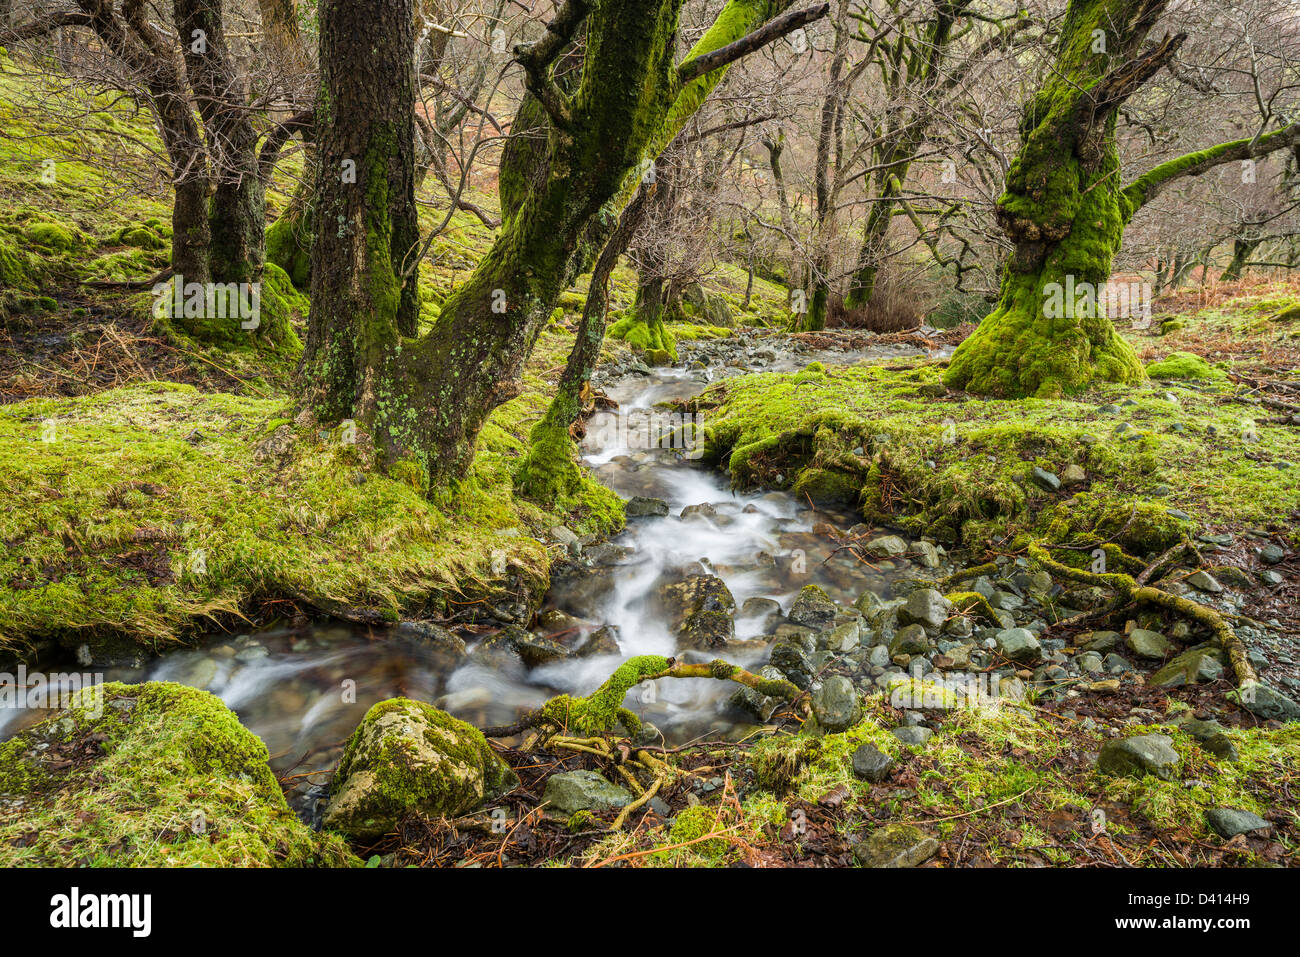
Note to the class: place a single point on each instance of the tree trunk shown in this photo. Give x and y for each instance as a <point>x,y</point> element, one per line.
<point>1242,250</point>
<point>1065,212</point>
<point>237,213</point>
<point>549,472</point>
<point>362,296</point>
<point>426,401</point>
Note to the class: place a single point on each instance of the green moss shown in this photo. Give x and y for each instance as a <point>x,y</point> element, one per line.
<point>961,470</point>
<point>1183,365</point>
<point>149,775</point>
<point>415,759</point>
<point>100,558</point>
<point>52,235</point>
<point>693,823</point>
<point>601,710</point>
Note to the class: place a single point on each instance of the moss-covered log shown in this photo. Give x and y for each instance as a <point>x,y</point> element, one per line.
<point>602,710</point>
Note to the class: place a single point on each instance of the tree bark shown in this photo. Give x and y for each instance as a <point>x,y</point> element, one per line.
<point>237,213</point>
<point>1064,210</point>
<point>363,299</point>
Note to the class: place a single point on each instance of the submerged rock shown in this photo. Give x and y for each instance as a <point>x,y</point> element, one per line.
<point>699,612</point>
<point>407,757</point>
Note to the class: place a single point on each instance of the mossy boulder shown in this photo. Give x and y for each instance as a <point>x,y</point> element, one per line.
<point>1183,365</point>
<point>52,235</point>
<point>155,774</point>
<point>407,757</point>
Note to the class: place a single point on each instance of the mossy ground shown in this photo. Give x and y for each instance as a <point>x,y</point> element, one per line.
<point>923,458</point>
<point>152,775</point>
<point>150,472</point>
<point>143,510</point>
<point>1005,785</point>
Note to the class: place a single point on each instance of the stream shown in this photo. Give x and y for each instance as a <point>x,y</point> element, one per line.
<point>303,690</point>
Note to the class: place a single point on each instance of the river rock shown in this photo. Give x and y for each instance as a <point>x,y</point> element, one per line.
<point>638,506</point>
<point>792,656</point>
<point>1267,702</point>
<point>1148,644</point>
<point>754,703</point>
<point>896,845</point>
<point>569,792</point>
<point>925,607</point>
<point>1191,667</point>
<point>1019,645</point>
<point>1141,754</point>
<point>602,641</point>
<point>886,546</point>
<point>926,555</point>
<point>812,608</point>
<point>1229,822</point>
<point>699,612</point>
<point>408,757</point>
<point>835,704</point>
<point>909,640</point>
<point>871,764</point>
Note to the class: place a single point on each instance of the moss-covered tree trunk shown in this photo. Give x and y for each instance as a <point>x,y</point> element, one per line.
<point>1065,212</point>
<point>1065,209</point>
<point>363,298</point>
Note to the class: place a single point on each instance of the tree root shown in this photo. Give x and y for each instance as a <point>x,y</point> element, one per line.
<point>1130,589</point>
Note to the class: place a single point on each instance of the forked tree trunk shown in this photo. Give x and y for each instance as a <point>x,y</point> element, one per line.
<point>425,399</point>
<point>1065,209</point>
<point>237,212</point>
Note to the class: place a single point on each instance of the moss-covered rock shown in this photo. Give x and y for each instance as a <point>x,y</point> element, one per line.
<point>407,757</point>
<point>149,775</point>
<point>1183,365</point>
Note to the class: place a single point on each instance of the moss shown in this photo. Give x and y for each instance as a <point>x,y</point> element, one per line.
<point>693,823</point>
<point>52,235</point>
<point>650,335</point>
<point>149,775</point>
<point>1183,365</point>
<point>961,470</point>
<point>288,247</point>
<point>601,710</point>
<point>407,757</point>
<point>315,523</point>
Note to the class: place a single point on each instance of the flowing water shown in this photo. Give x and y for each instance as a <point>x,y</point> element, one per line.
<point>304,689</point>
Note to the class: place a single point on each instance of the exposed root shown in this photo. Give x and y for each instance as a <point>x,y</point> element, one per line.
<point>1129,589</point>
